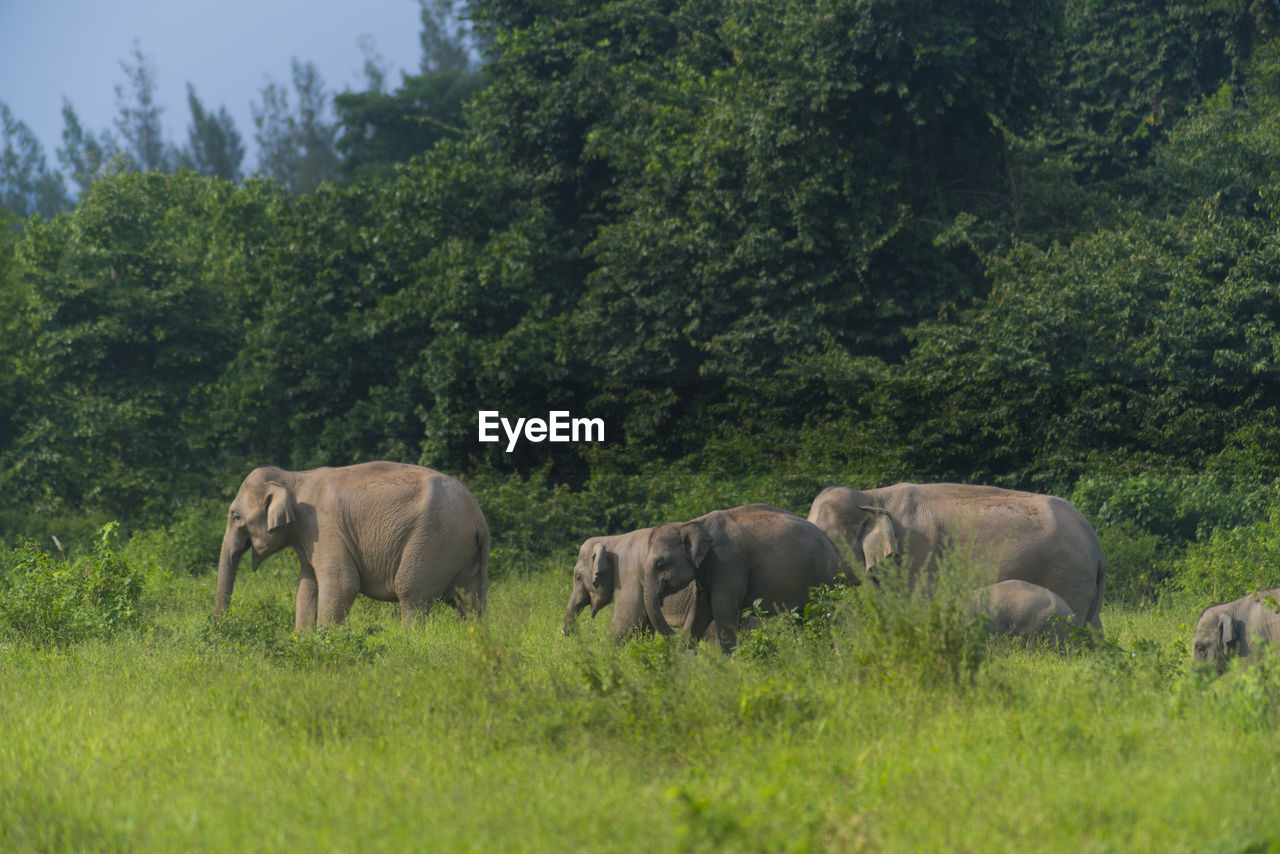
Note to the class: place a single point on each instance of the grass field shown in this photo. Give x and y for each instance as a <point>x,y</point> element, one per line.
<point>502,735</point>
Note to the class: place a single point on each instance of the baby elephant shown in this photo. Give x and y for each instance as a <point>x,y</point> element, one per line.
<point>705,571</point>
<point>1235,628</point>
<point>1023,609</point>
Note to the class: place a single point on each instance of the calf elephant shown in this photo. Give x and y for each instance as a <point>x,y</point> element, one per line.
<point>393,532</point>
<point>1237,628</point>
<point>726,560</point>
<point>606,570</point>
<point>1018,535</point>
<point>1025,610</point>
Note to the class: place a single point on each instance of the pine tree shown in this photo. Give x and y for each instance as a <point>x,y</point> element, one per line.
<point>139,115</point>
<point>297,147</point>
<point>82,155</point>
<point>27,185</point>
<point>214,146</point>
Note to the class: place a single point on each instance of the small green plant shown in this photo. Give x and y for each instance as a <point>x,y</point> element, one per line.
<point>330,645</point>
<point>58,600</point>
<point>264,627</point>
<point>250,625</point>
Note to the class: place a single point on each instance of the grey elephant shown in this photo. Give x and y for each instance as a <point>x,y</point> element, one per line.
<point>1025,610</point>
<point>1237,628</point>
<point>606,569</point>
<point>1015,535</point>
<point>728,559</point>
<point>391,531</point>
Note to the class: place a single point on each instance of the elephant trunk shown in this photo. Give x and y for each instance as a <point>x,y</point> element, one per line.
<point>233,548</point>
<point>579,600</point>
<point>653,606</point>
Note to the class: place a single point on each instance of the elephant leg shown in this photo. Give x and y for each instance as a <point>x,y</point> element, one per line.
<point>724,612</point>
<point>420,580</point>
<point>413,611</point>
<point>699,619</point>
<point>305,615</point>
<point>468,598</point>
<point>469,590</point>
<point>337,592</point>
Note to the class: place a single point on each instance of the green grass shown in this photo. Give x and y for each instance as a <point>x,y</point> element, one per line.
<point>502,735</point>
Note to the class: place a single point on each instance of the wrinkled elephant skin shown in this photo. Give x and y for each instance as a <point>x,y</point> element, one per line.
<point>1041,539</point>
<point>394,532</point>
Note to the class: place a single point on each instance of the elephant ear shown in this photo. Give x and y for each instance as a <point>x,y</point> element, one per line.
<point>697,542</point>
<point>599,565</point>
<point>876,536</point>
<point>1226,631</point>
<point>280,506</point>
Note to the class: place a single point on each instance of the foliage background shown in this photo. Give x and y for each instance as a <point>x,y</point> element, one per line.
<point>1025,244</point>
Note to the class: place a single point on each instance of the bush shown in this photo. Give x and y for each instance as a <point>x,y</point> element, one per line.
<point>1178,508</point>
<point>190,544</point>
<point>1138,566</point>
<point>1232,562</point>
<point>251,625</point>
<point>61,600</point>
<point>263,627</point>
<point>922,632</point>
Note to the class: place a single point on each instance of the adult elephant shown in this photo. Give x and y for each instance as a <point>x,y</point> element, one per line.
<point>1237,628</point>
<point>391,531</point>
<point>1019,535</point>
<point>728,559</point>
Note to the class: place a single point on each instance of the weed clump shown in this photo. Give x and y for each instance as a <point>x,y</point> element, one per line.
<point>895,628</point>
<point>54,600</point>
<point>262,627</point>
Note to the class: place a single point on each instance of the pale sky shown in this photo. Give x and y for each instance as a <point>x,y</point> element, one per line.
<point>228,49</point>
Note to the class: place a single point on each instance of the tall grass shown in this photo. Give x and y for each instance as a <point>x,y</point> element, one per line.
<point>847,732</point>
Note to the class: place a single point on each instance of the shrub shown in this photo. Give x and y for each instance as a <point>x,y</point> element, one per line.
<point>923,631</point>
<point>61,600</point>
<point>1178,508</point>
<point>1137,564</point>
<point>251,625</point>
<point>189,544</point>
<point>263,627</point>
<point>1233,561</point>
<point>330,645</point>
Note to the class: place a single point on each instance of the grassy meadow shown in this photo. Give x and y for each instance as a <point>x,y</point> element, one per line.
<point>876,725</point>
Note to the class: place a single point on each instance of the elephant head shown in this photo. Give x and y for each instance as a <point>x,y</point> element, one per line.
<point>260,518</point>
<point>675,558</point>
<point>1216,637</point>
<point>862,533</point>
<point>595,576</point>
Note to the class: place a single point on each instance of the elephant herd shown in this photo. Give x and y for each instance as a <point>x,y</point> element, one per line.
<point>412,535</point>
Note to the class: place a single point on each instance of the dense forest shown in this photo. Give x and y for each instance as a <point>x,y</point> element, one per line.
<point>1026,244</point>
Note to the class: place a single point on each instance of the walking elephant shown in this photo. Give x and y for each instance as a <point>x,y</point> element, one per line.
<point>1018,535</point>
<point>1237,628</point>
<point>1025,610</point>
<point>606,570</point>
<point>393,532</point>
<point>727,560</point>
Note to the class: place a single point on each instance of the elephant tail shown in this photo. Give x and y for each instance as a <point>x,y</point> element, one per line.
<point>1094,618</point>
<point>482,565</point>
